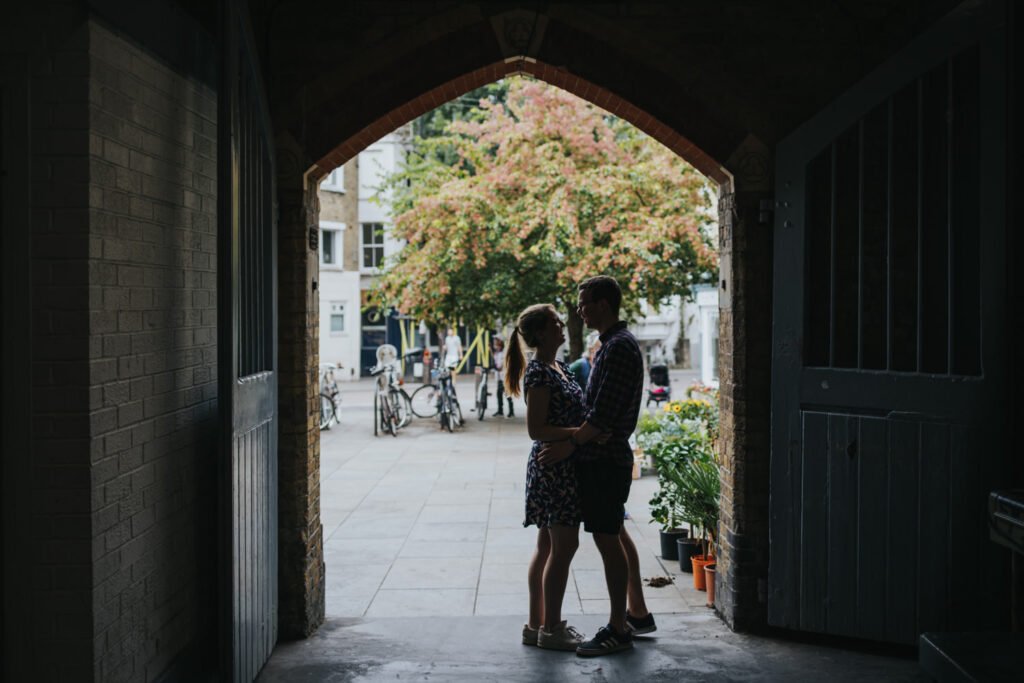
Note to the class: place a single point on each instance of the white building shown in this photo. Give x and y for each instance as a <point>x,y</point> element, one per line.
<point>354,244</point>
<point>682,333</point>
<point>700,318</point>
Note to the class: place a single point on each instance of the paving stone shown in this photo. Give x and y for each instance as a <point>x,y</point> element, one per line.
<point>414,603</point>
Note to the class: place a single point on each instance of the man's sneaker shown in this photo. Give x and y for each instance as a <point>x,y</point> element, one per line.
<point>641,625</point>
<point>530,635</point>
<point>561,637</point>
<point>605,642</point>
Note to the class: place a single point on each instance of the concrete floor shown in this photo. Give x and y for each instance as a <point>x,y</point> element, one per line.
<point>426,573</point>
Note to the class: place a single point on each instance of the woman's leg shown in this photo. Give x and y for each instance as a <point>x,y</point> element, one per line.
<point>564,542</point>
<point>535,578</point>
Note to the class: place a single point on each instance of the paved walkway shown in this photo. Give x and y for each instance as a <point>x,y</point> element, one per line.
<point>426,575</point>
<point>430,523</point>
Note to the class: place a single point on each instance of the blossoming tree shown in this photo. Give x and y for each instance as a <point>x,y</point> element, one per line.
<point>541,191</point>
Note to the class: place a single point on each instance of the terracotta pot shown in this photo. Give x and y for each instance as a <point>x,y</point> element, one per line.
<point>699,562</point>
<point>709,579</point>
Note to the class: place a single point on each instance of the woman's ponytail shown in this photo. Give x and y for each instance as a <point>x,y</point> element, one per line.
<point>515,364</point>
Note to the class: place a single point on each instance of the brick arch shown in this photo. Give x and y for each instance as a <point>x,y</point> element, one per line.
<point>319,129</point>
<point>582,88</point>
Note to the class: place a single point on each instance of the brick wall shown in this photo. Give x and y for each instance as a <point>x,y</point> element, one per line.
<point>152,316</point>
<point>745,396</point>
<point>49,608</point>
<point>301,597</point>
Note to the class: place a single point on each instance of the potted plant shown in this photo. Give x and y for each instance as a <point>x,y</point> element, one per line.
<point>656,436</point>
<point>698,485</point>
<point>680,435</point>
<point>709,579</point>
<point>688,547</point>
<point>665,511</point>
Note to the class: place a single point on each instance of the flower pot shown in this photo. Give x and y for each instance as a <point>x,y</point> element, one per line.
<point>687,548</point>
<point>699,562</point>
<point>709,579</point>
<point>668,543</point>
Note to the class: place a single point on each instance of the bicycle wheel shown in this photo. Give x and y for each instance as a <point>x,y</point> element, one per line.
<point>327,412</point>
<point>424,401</point>
<point>446,412</point>
<point>481,399</point>
<point>457,413</point>
<point>405,412</point>
<point>376,415</point>
<point>387,418</point>
<point>399,414</point>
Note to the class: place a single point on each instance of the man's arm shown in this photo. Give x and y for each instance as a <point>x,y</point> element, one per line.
<point>558,451</point>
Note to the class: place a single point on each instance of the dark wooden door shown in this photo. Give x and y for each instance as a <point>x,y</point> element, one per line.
<point>889,360</point>
<point>248,360</point>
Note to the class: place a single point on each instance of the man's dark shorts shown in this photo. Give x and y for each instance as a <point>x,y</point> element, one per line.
<point>603,490</point>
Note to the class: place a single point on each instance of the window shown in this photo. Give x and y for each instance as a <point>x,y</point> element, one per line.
<point>337,317</point>
<point>328,246</point>
<point>373,245</point>
<point>335,180</point>
<point>331,241</point>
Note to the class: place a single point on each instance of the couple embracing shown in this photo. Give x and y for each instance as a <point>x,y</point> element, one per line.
<point>580,466</point>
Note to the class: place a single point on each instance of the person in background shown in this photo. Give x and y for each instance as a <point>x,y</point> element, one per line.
<point>580,369</point>
<point>451,352</point>
<point>498,363</point>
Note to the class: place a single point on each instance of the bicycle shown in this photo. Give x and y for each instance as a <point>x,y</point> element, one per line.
<point>330,396</point>
<point>450,414</point>
<point>392,407</point>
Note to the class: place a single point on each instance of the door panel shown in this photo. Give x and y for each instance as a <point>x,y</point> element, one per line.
<point>888,362</point>
<point>247,344</point>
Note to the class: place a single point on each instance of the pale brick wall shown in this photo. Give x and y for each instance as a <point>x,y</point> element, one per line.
<point>152,321</point>
<point>301,579</point>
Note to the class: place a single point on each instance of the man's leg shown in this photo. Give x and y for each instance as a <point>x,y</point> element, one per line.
<point>616,576</point>
<point>635,590</point>
<point>603,491</point>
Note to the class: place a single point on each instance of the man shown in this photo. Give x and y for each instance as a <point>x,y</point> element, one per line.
<point>451,350</point>
<point>604,465</point>
<point>498,364</point>
<point>580,369</point>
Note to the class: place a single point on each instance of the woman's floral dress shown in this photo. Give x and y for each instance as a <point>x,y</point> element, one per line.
<point>551,496</point>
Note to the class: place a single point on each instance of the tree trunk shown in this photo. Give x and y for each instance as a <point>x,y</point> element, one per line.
<point>574,326</point>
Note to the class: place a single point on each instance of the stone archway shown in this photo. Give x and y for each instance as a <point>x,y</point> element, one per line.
<point>740,165</point>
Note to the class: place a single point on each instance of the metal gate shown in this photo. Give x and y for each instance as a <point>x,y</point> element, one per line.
<point>888,352</point>
<point>247,343</point>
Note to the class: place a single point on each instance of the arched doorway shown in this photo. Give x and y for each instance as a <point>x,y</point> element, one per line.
<point>308,135</point>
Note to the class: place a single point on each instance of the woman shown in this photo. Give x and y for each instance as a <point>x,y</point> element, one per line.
<point>554,407</point>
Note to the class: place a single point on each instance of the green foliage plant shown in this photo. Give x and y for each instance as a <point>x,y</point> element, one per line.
<point>680,440</point>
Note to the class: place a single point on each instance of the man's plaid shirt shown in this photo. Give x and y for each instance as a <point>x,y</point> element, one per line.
<point>613,395</point>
